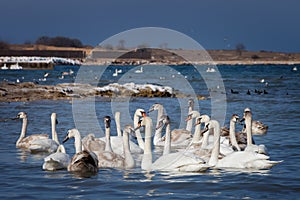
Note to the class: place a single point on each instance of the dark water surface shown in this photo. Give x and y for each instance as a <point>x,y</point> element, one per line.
<point>23,178</point>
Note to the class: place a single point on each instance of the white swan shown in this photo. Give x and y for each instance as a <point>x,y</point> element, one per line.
<point>250,146</point>
<point>238,159</point>
<point>118,124</point>
<point>59,159</point>
<point>109,159</point>
<point>191,115</point>
<point>257,128</point>
<point>117,141</point>
<point>25,142</point>
<point>232,135</point>
<point>138,71</point>
<point>136,118</point>
<point>56,161</point>
<point>206,142</point>
<point>116,72</point>
<point>91,143</point>
<point>191,105</point>
<point>38,142</point>
<point>46,145</point>
<point>83,162</point>
<point>158,131</point>
<point>165,120</point>
<point>179,137</point>
<point>170,162</point>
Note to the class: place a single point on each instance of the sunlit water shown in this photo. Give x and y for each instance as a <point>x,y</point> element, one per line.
<point>23,178</point>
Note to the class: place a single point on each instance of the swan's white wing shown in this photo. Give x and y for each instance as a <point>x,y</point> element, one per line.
<point>179,162</point>
<point>261,149</point>
<point>43,145</point>
<point>117,145</point>
<point>56,161</point>
<point>246,160</point>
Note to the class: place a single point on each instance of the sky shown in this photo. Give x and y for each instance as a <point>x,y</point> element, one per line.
<point>271,25</point>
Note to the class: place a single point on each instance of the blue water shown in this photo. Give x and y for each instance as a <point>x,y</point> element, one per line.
<point>23,178</point>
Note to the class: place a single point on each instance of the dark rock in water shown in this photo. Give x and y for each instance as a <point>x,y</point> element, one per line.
<point>29,91</point>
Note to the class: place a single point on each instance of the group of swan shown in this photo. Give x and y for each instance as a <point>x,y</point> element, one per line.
<point>191,161</point>
<point>41,143</point>
<point>182,150</point>
<point>91,152</point>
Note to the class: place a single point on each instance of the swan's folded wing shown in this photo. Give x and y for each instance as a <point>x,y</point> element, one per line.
<point>177,162</point>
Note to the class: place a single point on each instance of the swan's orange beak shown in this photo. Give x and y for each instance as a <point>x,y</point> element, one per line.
<point>198,122</point>
<point>144,114</point>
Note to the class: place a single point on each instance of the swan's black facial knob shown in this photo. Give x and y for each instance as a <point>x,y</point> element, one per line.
<point>107,121</point>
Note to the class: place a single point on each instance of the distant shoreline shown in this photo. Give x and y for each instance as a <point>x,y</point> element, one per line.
<point>152,56</point>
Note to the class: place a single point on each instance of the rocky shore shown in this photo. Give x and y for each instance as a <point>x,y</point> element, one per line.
<point>28,91</point>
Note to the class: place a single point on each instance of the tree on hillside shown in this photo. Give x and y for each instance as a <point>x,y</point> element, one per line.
<point>43,40</point>
<point>121,45</point>
<point>240,48</point>
<point>59,41</point>
<point>163,45</point>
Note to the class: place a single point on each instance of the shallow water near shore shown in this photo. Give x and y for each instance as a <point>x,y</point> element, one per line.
<point>23,177</point>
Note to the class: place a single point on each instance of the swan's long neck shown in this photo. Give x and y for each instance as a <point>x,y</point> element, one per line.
<point>158,132</point>
<point>205,139</point>
<point>129,161</point>
<point>160,112</point>
<point>77,143</point>
<point>167,146</point>
<point>118,124</point>
<point>189,125</point>
<point>53,128</point>
<point>191,108</point>
<point>138,133</point>
<point>216,148</point>
<point>248,122</point>
<point>232,135</point>
<point>147,157</point>
<point>197,133</point>
<point>107,137</point>
<point>61,149</point>
<point>23,131</point>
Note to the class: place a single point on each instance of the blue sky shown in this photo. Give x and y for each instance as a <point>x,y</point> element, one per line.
<point>272,25</point>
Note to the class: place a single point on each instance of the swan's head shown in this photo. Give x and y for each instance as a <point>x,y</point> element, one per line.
<point>235,118</point>
<point>146,121</point>
<point>155,106</point>
<point>205,118</point>
<point>129,130</point>
<point>247,113</point>
<point>192,114</point>
<point>21,115</point>
<point>191,103</point>
<point>213,124</point>
<point>107,121</point>
<point>247,110</point>
<point>53,117</point>
<point>139,112</point>
<point>164,120</point>
<point>70,134</point>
